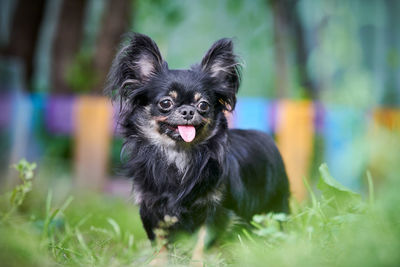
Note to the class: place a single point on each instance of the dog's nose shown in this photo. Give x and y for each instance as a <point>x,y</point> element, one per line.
<point>187,112</point>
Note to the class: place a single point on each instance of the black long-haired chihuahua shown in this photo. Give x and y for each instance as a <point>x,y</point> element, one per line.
<point>184,161</point>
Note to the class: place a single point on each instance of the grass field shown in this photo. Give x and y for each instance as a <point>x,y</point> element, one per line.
<point>337,227</point>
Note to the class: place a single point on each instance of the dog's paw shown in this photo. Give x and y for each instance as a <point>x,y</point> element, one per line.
<point>197,263</point>
<point>160,258</point>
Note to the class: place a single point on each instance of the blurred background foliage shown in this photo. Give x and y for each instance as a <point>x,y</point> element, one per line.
<point>320,76</point>
<point>340,51</point>
<point>320,73</point>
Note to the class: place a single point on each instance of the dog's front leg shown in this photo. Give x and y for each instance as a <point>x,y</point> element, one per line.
<point>197,256</point>
<point>160,257</point>
<point>149,222</point>
<point>156,237</point>
<point>161,240</point>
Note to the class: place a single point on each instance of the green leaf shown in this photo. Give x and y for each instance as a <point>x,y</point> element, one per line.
<point>371,193</point>
<point>342,197</point>
<point>281,217</point>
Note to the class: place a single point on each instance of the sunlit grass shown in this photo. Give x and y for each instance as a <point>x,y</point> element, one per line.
<point>337,228</point>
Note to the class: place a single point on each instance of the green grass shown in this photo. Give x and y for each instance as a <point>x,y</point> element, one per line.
<point>336,228</point>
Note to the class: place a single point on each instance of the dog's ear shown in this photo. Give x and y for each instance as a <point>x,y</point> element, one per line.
<point>133,67</point>
<point>221,63</point>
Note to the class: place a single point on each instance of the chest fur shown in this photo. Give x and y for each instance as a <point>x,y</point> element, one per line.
<point>179,159</point>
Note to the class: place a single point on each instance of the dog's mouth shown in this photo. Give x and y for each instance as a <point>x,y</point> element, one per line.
<point>186,133</point>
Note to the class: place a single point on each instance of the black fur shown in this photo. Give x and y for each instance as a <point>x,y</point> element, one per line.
<point>220,171</point>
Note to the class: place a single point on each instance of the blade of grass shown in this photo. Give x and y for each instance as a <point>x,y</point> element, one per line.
<point>47,214</point>
<point>48,202</point>
<point>247,234</point>
<point>115,226</point>
<point>63,207</point>
<point>82,242</point>
<point>240,239</point>
<point>371,192</point>
<point>130,241</point>
<point>311,192</point>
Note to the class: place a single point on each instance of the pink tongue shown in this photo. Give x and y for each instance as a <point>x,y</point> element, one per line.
<point>187,132</point>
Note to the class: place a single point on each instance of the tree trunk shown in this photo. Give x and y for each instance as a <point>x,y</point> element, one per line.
<point>281,40</point>
<point>288,31</point>
<point>24,34</point>
<point>302,53</point>
<point>115,23</point>
<point>67,42</point>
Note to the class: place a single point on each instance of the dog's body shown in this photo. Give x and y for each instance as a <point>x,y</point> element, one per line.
<point>183,159</point>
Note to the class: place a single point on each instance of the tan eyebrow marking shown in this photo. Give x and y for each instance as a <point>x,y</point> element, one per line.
<point>161,118</point>
<point>197,97</point>
<point>173,94</point>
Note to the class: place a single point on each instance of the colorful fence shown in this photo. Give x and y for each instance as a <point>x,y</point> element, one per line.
<point>295,124</point>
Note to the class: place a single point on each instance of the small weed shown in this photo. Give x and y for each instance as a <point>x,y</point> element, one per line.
<point>25,173</point>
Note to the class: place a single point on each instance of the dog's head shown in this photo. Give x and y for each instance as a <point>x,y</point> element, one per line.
<point>173,106</point>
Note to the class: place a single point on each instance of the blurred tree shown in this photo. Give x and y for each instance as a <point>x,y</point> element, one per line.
<point>66,42</point>
<point>290,45</point>
<point>184,30</point>
<point>115,23</point>
<point>302,53</point>
<point>89,67</point>
<point>281,32</point>
<point>24,34</point>
<point>391,96</point>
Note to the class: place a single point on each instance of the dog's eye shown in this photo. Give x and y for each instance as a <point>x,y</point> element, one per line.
<point>203,106</point>
<point>165,104</point>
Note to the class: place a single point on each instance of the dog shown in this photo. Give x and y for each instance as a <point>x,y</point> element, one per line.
<point>186,165</point>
